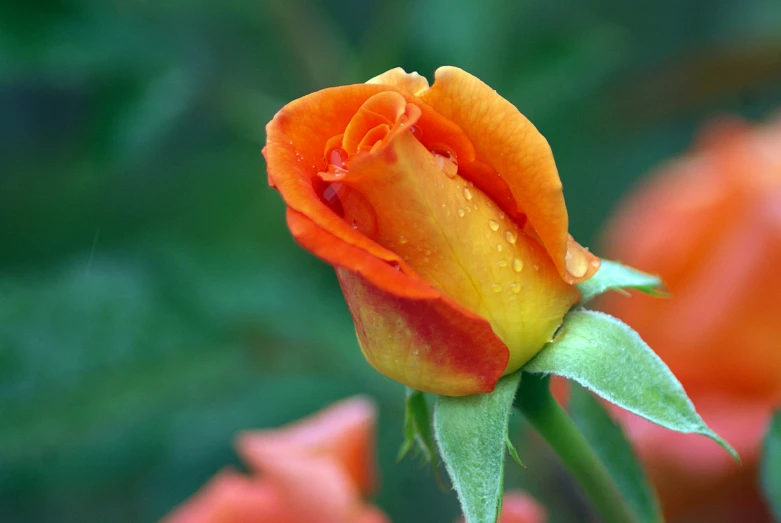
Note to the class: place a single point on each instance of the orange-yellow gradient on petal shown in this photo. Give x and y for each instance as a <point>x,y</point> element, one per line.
<point>442,210</point>
<point>318,469</point>
<point>710,224</point>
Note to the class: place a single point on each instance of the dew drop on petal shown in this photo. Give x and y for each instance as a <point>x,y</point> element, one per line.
<point>496,287</point>
<point>499,248</point>
<point>502,263</point>
<point>461,212</point>
<point>493,225</point>
<point>515,287</point>
<point>467,193</point>
<point>336,157</point>
<point>576,263</point>
<point>536,267</point>
<point>403,240</point>
<point>416,132</point>
<point>447,161</point>
<point>511,236</point>
<point>518,265</point>
<point>501,215</point>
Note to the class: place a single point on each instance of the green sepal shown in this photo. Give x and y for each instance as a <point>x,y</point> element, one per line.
<point>771,466</point>
<point>417,428</point>
<point>617,277</point>
<point>606,356</point>
<point>471,433</point>
<point>615,452</point>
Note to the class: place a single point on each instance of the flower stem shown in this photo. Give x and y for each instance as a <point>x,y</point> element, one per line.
<point>537,404</point>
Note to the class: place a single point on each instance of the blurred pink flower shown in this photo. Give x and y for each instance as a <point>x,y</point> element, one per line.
<point>315,470</point>
<point>710,224</point>
<point>520,507</point>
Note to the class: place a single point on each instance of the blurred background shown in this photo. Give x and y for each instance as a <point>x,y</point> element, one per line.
<point>152,302</point>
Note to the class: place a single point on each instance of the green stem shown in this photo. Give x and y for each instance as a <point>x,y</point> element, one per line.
<point>539,407</point>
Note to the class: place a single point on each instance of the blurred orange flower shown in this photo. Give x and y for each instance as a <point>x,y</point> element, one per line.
<point>442,210</point>
<point>710,225</point>
<point>519,507</point>
<point>314,470</point>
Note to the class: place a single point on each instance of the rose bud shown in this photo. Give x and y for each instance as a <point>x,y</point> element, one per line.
<point>442,211</point>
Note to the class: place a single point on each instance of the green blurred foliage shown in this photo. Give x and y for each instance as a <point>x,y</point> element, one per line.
<point>151,300</point>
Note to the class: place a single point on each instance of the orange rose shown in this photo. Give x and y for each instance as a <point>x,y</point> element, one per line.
<point>313,470</point>
<point>710,225</point>
<point>442,211</point>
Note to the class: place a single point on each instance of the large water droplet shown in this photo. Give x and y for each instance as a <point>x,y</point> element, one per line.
<point>461,212</point>
<point>511,236</point>
<point>336,157</point>
<point>403,240</point>
<point>446,160</point>
<point>493,225</point>
<point>517,265</point>
<point>576,263</point>
<point>467,193</point>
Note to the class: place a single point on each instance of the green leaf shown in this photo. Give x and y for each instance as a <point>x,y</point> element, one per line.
<point>614,276</point>
<point>606,356</point>
<point>771,466</point>
<point>611,446</point>
<point>471,432</point>
<point>417,427</point>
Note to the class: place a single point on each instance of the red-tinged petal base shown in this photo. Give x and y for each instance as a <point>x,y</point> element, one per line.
<point>425,344</point>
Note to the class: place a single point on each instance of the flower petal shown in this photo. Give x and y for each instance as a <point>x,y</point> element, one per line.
<point>507,141</point>
<point>457,351</point>
<point>343,432</point>
<point>459,241</point>
<point>398,77</point>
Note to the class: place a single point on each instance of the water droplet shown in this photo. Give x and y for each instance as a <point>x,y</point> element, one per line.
<point>536,267</point>
<point>576,263</point>
<point>518,265</point>
<point>511,236</point>
<point>403,240</point>
<point>336,157</point>
<point>355,225</point>
<point>446,160</point>
<point>499,248</point>
<point>461,212</point>
<point>467,193</point>
<point>493,225</point>
<point>428,252</point>
<point>425,260</point>
<point>502,263</point>
<point>416,132</point>
<point>501,215</point>
<point>336,172</point>
<point>595,263</point>
<point>496,287</point>
<point>406,257</point>
<point>515,287</point>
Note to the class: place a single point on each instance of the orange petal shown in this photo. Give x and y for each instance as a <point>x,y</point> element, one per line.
<point>230,497</point>
<point>457,239</point>
<point>457,351</point>
<point>343,432</point>
<point>313,488</point>
<point>398,77</point>
<point>506,140</point>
